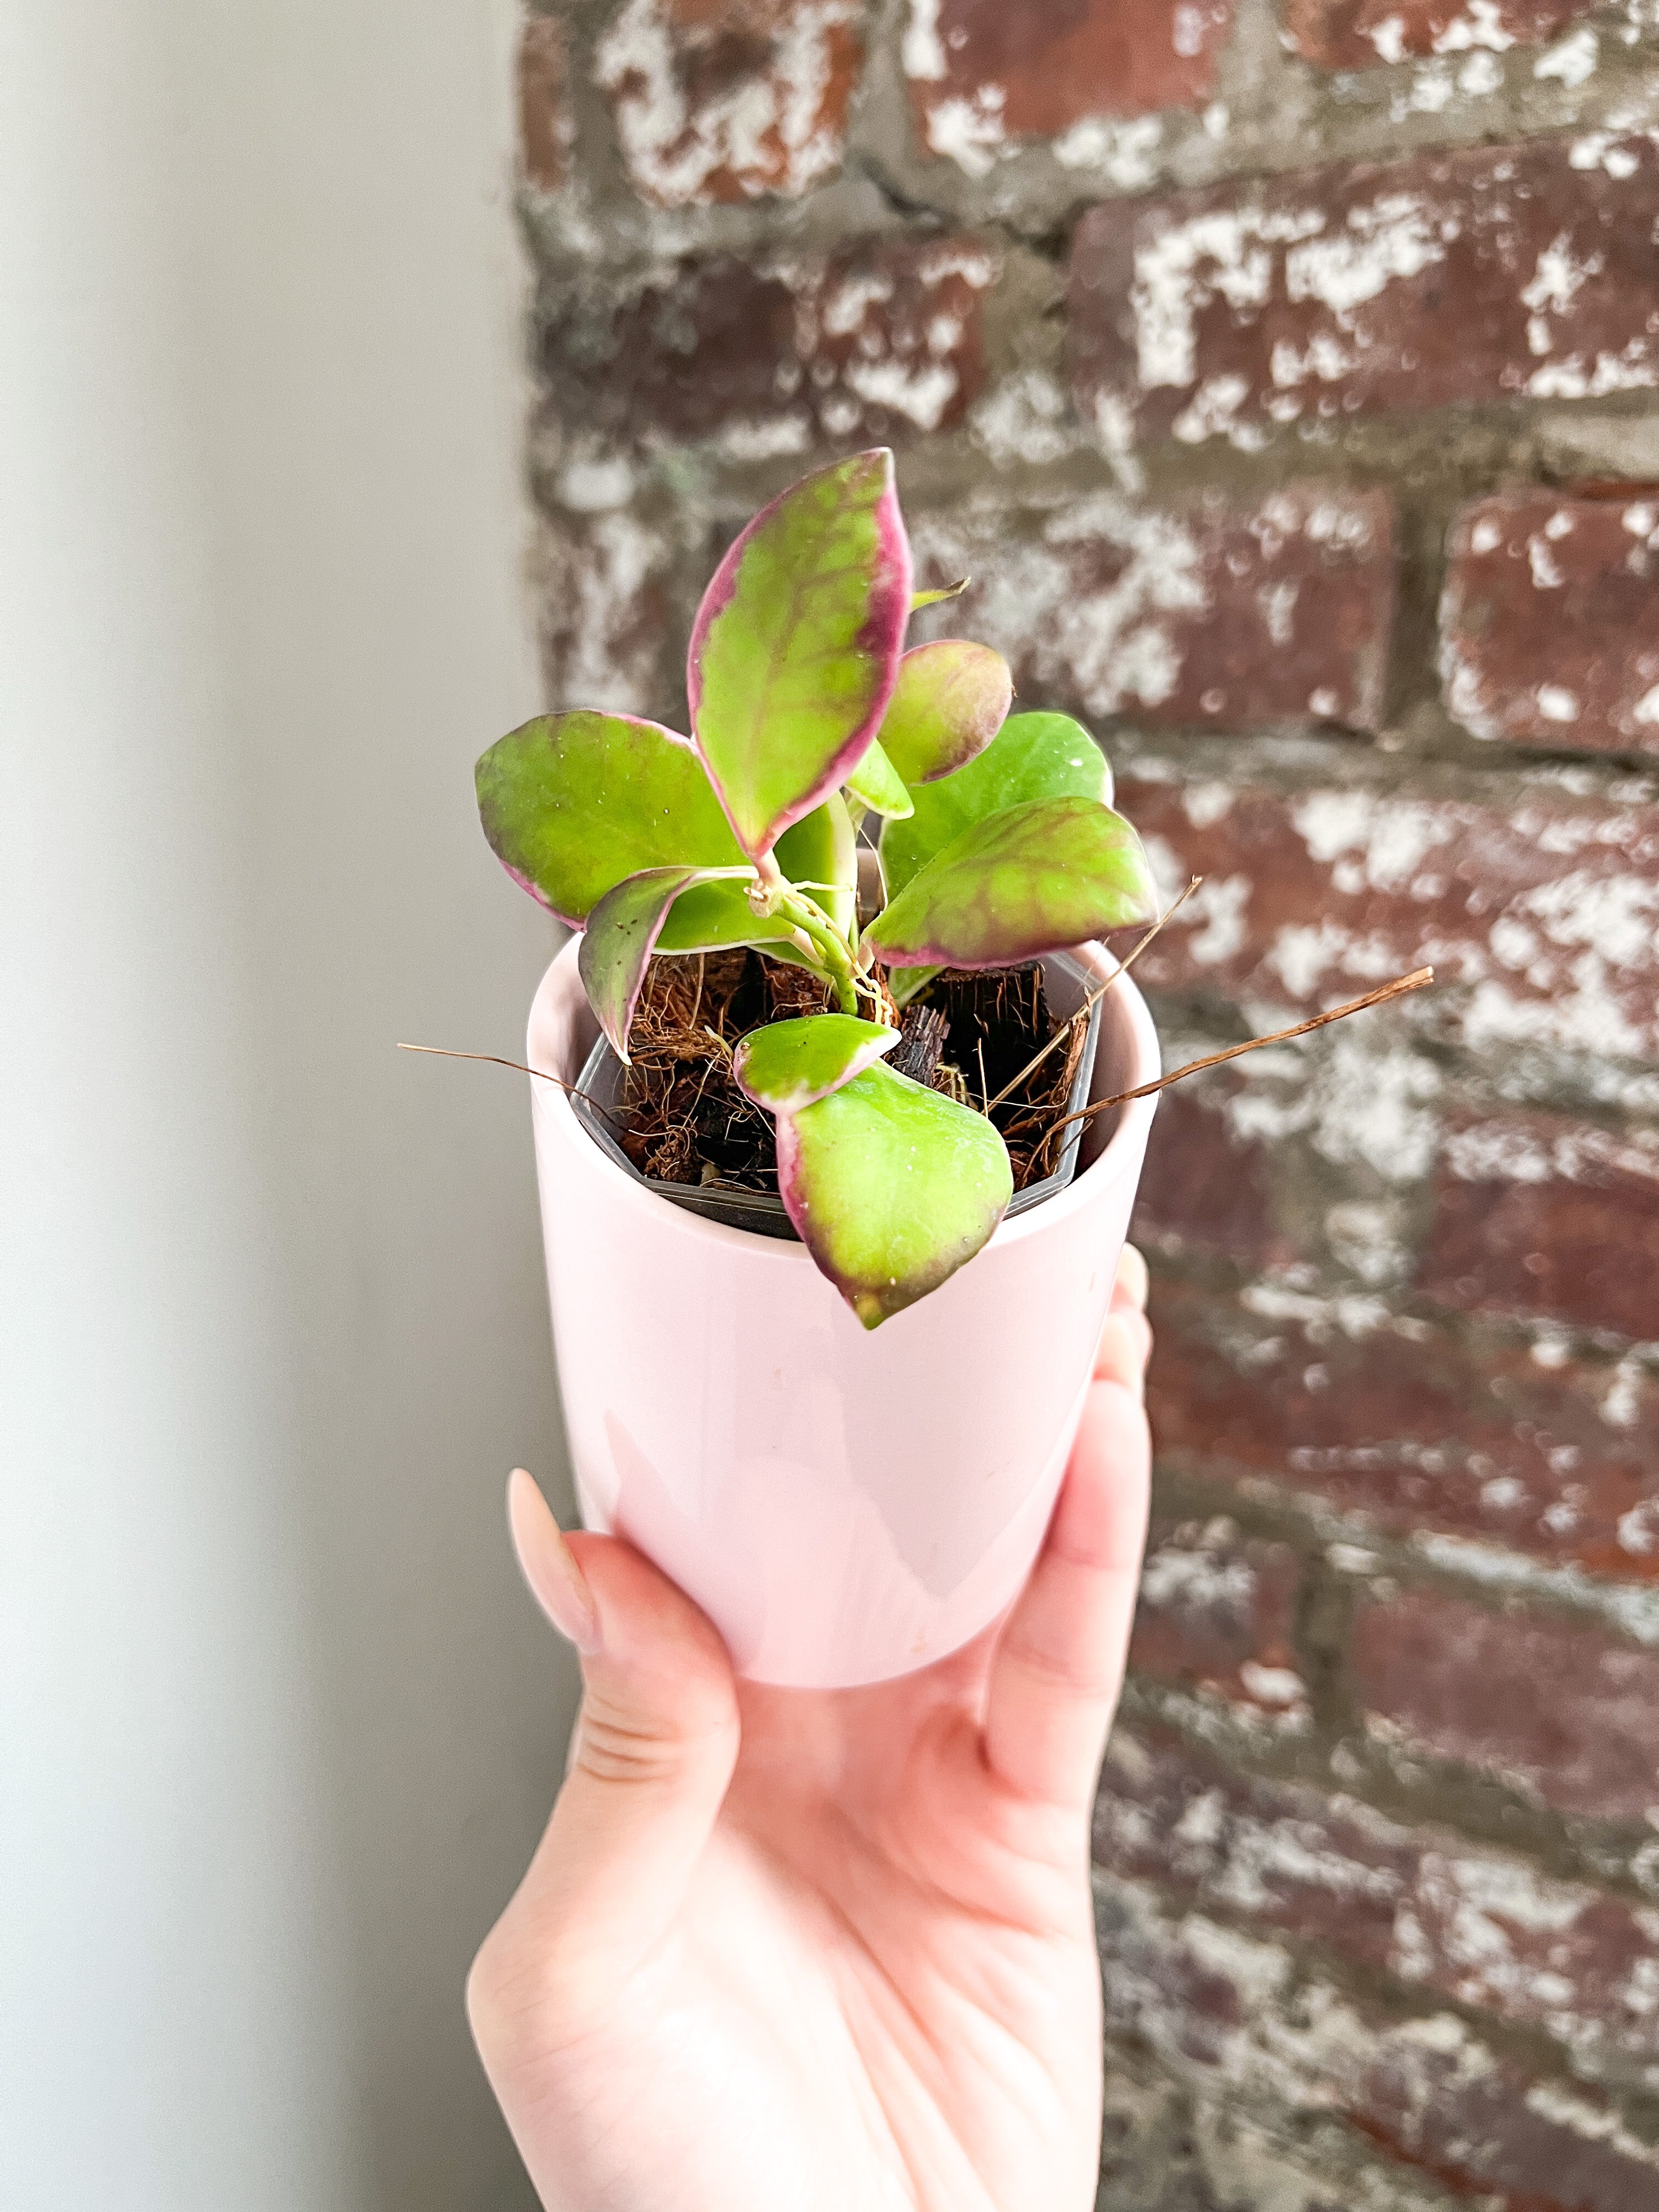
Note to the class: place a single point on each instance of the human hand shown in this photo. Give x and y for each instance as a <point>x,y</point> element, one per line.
<point>823,1951</point>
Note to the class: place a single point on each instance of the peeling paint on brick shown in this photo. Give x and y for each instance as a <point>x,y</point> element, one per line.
<point>1408,1428</point>
<point>1364,1099</point>
<point>1352,34</point>
<point>880,340</point>
<point>1226,2014</point>
<point>1215,1615</point>
<point>1544,1215</point>
<point>730,100</point>
<point>1312,297</point>
<point>1241,616</point>
<point>1541,918</point>
<point>604,585</point>
<point>1437,1674</point>
<point>1168,2150</point>
<point>984,77</point>
<point>1483,1929</point>
<point>1550,622</point>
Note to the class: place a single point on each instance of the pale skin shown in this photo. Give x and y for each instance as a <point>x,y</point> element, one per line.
<point>792,1951</point>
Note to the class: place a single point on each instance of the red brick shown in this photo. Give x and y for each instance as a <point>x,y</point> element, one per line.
<point>1550,622</point>
<point>1217,1614</point>
<point>1349,34</point>
<point>1231,2018</point>
<point>1206,1189</point>
<point>1409,1428</point>
<point>1559,1712</point>
<point>726,99</point>
<point>1228,616</point>
<point>1487,273</point>
<point>881,340</point>
<point>1538,1214</point>
<point>544,121</point>
<point>984,75</point>
<point>1540,916</point>
<point>1480,1928</point>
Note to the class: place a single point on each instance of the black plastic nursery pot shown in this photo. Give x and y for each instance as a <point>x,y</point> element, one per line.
<point>597,1103</point>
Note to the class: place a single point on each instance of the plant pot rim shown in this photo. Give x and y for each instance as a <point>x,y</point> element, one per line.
<point>1120,1154</point>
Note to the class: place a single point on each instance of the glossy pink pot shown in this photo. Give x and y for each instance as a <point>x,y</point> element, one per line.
<point>845,1505</point>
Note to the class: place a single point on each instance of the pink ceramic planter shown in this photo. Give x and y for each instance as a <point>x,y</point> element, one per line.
<point>845,1505</point>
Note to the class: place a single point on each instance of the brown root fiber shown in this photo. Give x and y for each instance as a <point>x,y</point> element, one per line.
<point>688,1121</point>
<point>997,1019</point>
<point>968,1035</point>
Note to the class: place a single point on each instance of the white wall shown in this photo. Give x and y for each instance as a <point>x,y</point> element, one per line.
<point>280,1725</point>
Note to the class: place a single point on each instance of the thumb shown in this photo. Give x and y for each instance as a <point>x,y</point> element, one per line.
<point>656,1741</point>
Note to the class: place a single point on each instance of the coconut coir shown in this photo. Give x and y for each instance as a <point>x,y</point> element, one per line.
<point>968,1035</point>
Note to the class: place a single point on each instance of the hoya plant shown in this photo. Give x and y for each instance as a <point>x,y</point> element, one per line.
<point>812,727</point>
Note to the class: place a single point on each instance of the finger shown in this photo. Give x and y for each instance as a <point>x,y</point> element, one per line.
<point>1126,1336</point>
<point>1129,1288</point>
<point>1058,1666</point>
<point>1124,1348</point>
<point>656,1742</point>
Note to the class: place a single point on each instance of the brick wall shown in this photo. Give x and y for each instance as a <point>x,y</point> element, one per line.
<point>1290,382</point>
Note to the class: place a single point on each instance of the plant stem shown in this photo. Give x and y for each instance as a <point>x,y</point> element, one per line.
<point>828,943</point>
<point>769,881</point>
<point>1416,981</point>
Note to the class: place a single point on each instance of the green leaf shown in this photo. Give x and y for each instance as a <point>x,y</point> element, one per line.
<point>892,1188</point>
<point>790,1065</point>
<point>621,934</point>
<point>1033,880</point>
<point>921,599</point>
<point>875,784</point>
<point>822,849</point>
<point>711,916</point>
<point>796,645</point>
<point>572,803</point>
<point>904,983</point>
<point>951,700</point>
<point>1031,756</point>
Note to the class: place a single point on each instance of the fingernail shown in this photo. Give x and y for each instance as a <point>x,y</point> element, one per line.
<point>557,1582</point>
<point>1130,1288</point>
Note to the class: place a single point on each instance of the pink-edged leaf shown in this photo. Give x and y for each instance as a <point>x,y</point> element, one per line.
<point>796,646</point>
<point>951,699</point>
<point>572,803</point>
<point>1033,880</point>
<point>621,934</point>
<point>789,1065</point>
<point>711,916</point>
<point>820,850</point>
<point>892,1188</point>
<point>1031,756</point>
